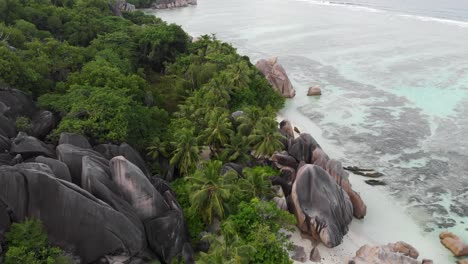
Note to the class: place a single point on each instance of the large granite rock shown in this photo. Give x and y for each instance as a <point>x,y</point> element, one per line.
<point>454,243</point>
<point>18,103</point>
<point>322,209</point>
<point>7,127</point>
<point>335,169</point>
<point>59,169</point>
<point>5,144</point>
<point>110,151</point>
<point>75,140</point>
<point>73,218</point>
<point>137,189</point>
<point>393,253</point>
<point>303,147</point>
<point>29,146</point>
<point>276,76</point>
<point>42,123</point>
<point>72,156</point>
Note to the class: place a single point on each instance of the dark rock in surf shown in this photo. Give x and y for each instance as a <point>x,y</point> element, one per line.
<point>376,183</point>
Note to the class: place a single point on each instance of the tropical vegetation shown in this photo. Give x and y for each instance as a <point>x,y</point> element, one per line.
<point>140,80</point>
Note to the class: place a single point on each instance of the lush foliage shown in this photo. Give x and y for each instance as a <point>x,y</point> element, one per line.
<point>27,243</point>
<point>138,79</point>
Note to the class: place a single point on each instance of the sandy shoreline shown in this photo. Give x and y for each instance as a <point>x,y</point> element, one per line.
<point>386,220</point>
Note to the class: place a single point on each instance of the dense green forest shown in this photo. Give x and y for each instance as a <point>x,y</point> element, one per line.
<point>139,80</point>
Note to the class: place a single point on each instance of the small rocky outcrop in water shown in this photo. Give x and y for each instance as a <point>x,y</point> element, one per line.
<point>393,253</point>
<point>454,244</point>
<point>276,76</point>
<point>164,4</point>
<point>314,90</point>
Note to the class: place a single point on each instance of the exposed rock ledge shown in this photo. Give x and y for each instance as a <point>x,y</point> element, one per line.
<point>164,4</point>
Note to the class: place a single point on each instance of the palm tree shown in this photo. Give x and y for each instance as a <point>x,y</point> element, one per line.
<point>210,190</point>
<point>248,120</point>
<point>265,138</point>
<point>187,152</point>
<point>237,150</point>
<point>217,131</point>
<point>223,250</point>
<point>240,73</point>
<point>256,182</point>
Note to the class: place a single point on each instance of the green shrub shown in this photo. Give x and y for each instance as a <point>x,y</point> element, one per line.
<point>23,124</point>
<point>27,243</point>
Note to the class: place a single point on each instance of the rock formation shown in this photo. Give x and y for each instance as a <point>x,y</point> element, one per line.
<point>276,76</point>
<point>323,210</point>
<point>393,253</point>
<point>314,90</point>
<point>454,244</point>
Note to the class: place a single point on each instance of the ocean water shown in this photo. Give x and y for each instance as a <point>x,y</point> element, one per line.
<point>394,78</point>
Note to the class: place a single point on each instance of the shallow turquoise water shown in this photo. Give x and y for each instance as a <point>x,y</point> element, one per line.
<point>395,88</point>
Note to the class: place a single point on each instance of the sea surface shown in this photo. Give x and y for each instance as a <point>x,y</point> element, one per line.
<point>394,78</point>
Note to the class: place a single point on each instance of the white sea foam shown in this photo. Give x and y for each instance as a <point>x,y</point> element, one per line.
<point>350,6</point>
<point>438,20</point>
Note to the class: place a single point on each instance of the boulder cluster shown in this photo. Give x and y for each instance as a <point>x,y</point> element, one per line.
<point>392,253</point>
<point>316,188</point>
<point>95,202</point>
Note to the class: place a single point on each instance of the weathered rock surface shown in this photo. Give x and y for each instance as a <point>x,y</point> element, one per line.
<point>299,254</point>
<point>276,76</point>
<point>164,4</point>
<point>110,151</point>
<point>315,255</point>
<point>454,244</point>
<point>322,209</point>
<point>75,140</point>
<point>17,102</point>
<point>303,147</point>
<point>287,129</point>
<point>7,127</point>
<point>73,218</point>
<point>137,189</point>
<point>314,90</point>
<point>42,123</point>
<point>72,156</point>
<point>284,160</point>
<point>393,253</point>
<point>29,146</point>
<point>5,144</point>
<point>59,169</point>
<point>335,169</point>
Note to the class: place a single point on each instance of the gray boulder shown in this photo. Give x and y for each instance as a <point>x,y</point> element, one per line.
<point>97,181</point>
<point>75,140</point>
<point>72,156</point>
<point>7,127</point>
<point>322,209</point>
<point>6,159</point>
<point>73,218</point>
<point>29,146</point>
<point>5,144</point>
<point>18,102</point>
<point>302,148</point>
<point>137,189</point>
<point>276,76</point>
<point>110,151</point>
<point>59,169</point>
<point>42,123</point>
